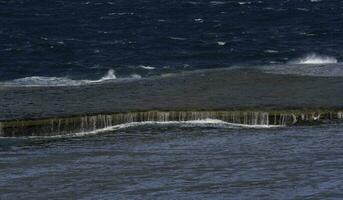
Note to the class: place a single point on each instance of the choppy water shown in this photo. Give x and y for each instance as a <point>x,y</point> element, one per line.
<point>55,42</point>
<point>81,42</point>
<point>177,162</point>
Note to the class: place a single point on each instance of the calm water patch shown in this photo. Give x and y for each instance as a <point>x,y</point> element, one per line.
<point>172,161</point>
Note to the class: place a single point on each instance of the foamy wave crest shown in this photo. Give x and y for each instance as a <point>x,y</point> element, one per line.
<point>59,81</point>
<point>146,67</point>
<point>196,123</point>
<point>212,123</point>
<point>315,59</point>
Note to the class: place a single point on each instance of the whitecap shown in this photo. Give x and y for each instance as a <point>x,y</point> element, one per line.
<point>271,51</point>
<point>217,2</point>
<point>303,9</point>
<point>317,70</point>
<point>147,67</point>
<point>33,81</point>
<point>199,20</point>
<point>315,59</point>
<point>109,76</point>
<point>221,43</point>
<point>243,3</point>
<point>177,38</point>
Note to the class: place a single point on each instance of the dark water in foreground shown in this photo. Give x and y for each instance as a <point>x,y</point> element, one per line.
<point>177,162</point>
<point>81,42</point>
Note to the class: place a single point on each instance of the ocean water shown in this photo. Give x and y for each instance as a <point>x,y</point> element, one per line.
<point>177,161</point>
<point>55,42</point>
<point>120,55</point>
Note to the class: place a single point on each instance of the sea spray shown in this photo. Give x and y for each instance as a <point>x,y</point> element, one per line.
<point>41,81</point>
<point>315,59</point>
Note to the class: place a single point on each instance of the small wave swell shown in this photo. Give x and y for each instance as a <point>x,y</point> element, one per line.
<point>60,81</point>
<point>315,59</point>
<point>212,123</point>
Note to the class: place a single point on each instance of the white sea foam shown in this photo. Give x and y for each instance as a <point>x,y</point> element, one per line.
<point>315,59</point>
<point>135,76</point>
<point>147,67</point>
<point>271,51</point>
<point>221,43</point>
<point>313,64</point>
<point>109,76</point>
<point>59,81</point>
<point>192,123</point>
<point>244,2</point>
<point>199,20</point>
<point>177,38</point>
<point>303,9</point>
<point>217,2</point>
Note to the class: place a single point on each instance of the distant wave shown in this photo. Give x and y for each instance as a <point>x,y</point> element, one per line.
<point>146,67</point>
<point>315,59</point>
<point>309,65</point>
<point>221,43</point>
<point>316,69</point>
<point>177,38</point>
<point>217,2</point>
<point>60,81</point>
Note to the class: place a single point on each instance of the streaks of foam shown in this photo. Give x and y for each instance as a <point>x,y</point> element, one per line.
<point>36,81</point>
<point>146,67</point>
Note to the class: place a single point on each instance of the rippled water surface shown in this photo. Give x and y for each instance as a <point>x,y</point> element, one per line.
<point>58,41</point>
<point>177,162</point>
<point>63,43</point>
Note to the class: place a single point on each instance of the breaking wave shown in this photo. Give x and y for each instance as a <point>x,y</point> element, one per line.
<point>309,65</point>
<point>60,81</point>
<point>205,123</point>
<point>146,67</point>
<point>315,59</point>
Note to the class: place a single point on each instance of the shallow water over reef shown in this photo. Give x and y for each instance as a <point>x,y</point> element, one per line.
<point>73,66</point>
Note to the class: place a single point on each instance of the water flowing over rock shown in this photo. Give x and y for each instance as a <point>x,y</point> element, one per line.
<point>80,124</point>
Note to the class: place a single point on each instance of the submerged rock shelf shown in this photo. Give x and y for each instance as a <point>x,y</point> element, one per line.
<point>217,89</point>
<point>248,96</point>
<point>70,125</point>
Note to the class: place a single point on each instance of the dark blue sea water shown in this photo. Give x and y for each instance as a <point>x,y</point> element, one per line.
<point>84,39</point>
<point>61,42</point>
